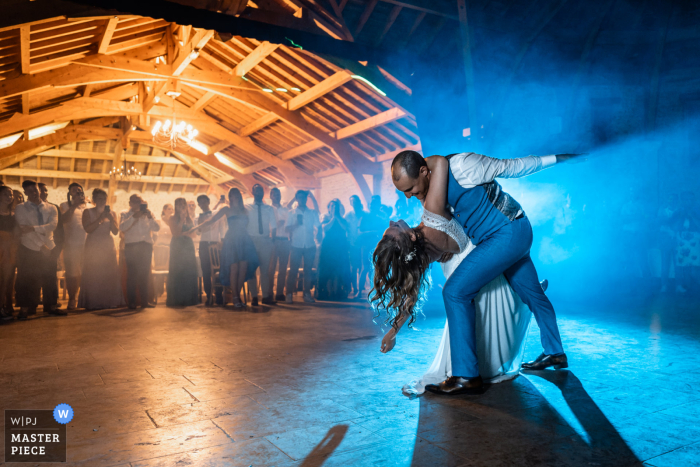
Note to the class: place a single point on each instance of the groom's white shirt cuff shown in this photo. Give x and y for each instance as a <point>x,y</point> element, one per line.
<point>471,169</point>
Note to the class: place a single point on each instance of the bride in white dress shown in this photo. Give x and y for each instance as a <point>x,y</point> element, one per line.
<point>401,260</point>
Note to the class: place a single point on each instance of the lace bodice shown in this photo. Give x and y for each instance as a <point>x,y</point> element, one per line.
<point>451,228</point>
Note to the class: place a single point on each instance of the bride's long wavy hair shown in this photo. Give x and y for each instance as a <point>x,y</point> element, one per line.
<point>400,276</point>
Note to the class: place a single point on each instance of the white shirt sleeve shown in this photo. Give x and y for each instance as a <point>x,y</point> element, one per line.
<point>471,169</point>
<point>51,222</point>
<point>126,221</point>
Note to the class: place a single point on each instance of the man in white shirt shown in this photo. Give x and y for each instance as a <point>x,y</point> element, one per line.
<point>137,224</point>
<point>210,236</point>
<point>37,221</point>
<point>281,251</point>
<point>74,239</point>
<point>262,227</point>
<point>301,226</point>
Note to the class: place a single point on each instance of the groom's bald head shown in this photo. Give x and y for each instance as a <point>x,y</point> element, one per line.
<point>410,174</point>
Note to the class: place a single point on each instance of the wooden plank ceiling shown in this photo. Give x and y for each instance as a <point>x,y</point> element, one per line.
<point>266,113</point>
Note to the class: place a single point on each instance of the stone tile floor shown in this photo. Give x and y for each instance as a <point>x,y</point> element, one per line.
<point>305,385</point>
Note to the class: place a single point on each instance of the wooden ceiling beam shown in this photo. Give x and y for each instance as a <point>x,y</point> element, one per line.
<point>76,109</point>
<point>220,146</point>
<point>370,123</point>
<point>69,154</point>
<point>190,51</point>
<point>251,169</point>
<point>322,88</point>
<point>389,22</point>
<point>99,176</point>
<point>204,100</point>
<point>369,8</point>
<point>259,124</point>
<point>299,150</point>
<point>113,70</point>
<point>68,134</point>
<point>254,58</point>
<point>212,127</point>
<point>24,48</point>
<point>19,157</point>
<point>357,166</point>
<point>107,35</point>
<point>246,180</point>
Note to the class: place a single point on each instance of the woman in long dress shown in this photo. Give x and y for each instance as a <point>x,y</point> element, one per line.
<point>239,260</point>
<point>100,286</point>
<point>334,258</point>
<point>183,286</point>
<point>401,260</point>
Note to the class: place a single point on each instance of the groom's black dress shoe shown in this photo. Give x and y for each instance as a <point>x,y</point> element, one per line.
<point>454,385</point>
<point>545,361</point>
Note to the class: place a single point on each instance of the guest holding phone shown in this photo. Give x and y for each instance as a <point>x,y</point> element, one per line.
<point>137,224</point>
<point>74,239</point>
<point>301,226</point>
<point>100,287</point>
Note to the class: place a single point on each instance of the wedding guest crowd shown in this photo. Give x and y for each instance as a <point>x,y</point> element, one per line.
<point>277,249</point>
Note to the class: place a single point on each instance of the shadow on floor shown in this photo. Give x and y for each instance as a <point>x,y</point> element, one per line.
<point>514,423</point>
<point>326,447</point>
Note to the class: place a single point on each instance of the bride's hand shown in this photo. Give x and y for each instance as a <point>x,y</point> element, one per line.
<point>389,341</point>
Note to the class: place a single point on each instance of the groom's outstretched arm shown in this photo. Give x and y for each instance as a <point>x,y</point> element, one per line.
<point>471,169</point>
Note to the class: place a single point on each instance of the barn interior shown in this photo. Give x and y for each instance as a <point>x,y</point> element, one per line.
<point>170,99</point>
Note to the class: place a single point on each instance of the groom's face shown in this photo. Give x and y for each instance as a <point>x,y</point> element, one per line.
<point>417,187</point>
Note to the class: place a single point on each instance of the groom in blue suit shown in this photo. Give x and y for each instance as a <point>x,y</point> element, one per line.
<point>502,233</point>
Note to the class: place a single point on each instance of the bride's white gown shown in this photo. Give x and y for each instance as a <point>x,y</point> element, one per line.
<point>502,322</point>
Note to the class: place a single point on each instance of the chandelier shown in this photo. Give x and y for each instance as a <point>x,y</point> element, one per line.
<point>174,133</point>
<point>124,172</point>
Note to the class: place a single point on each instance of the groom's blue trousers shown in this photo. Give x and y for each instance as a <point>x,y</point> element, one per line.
<point>507,252</point>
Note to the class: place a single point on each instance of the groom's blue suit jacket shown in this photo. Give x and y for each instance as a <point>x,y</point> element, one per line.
<point>482,209</point>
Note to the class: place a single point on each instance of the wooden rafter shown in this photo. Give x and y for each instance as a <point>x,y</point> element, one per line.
<point>91,77</point>
<point>256,56</point>
<point>259,124</point>
<point>299,150</point>
<point>389,22</point>
<point>212,127</point>
<point>204,100</point>
<point>101,176</point>
<point>190,50</point>
<point>370,123</point>
<point>322,88</point>
<point>220,146</point>
<point>369,8</point>
<point>70,154</point>
<point>107,35</point>
<point>24,46</point>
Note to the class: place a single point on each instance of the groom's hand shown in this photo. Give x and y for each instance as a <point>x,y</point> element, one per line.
<point>573,158</point>
<point>445,257</point>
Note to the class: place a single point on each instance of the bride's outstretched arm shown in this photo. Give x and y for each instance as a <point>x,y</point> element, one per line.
<point>389,339</point>
<point>436,198</point>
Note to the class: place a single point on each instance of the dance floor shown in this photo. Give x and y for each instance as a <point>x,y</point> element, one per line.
<point>305,385</point>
